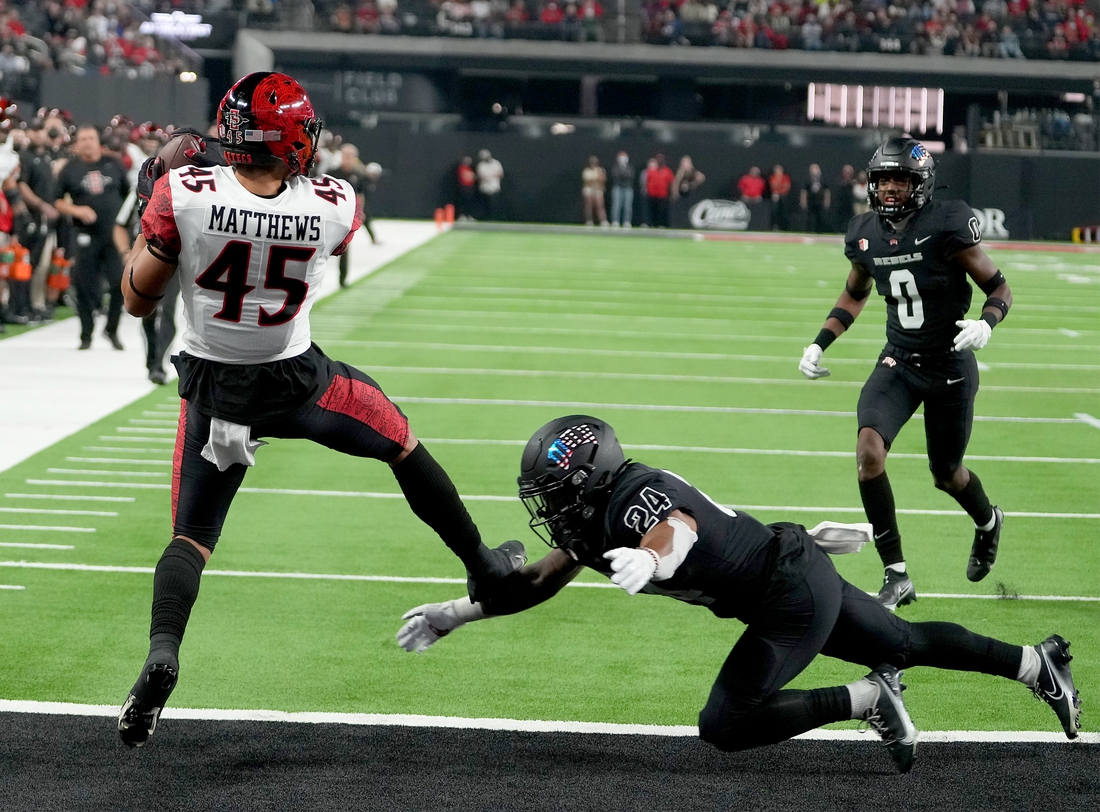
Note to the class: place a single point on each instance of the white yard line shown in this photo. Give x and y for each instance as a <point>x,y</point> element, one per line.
<point>519,725</point>
<point>70,497</point>
<point>1088,418</point>
<point>36,546</point>
<point>49,512</point>
<point>118,460</point>
<point>86,472</point>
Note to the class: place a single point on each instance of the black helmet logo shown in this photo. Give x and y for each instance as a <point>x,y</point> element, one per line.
<point>561,450</point>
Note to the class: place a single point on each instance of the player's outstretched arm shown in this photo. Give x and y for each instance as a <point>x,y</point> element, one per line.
<point>974,333</point>
<point>848,307</point>
<point>144,279</point>
<point>524,588</point>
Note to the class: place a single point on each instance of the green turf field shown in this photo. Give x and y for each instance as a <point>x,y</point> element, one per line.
<point>484,337</point>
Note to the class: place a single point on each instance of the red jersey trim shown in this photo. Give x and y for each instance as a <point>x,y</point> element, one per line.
<point>368,405</point>
<point>355,224</point>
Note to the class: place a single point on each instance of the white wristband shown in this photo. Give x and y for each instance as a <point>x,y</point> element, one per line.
<point>467,611</point>
<point>683,539</point>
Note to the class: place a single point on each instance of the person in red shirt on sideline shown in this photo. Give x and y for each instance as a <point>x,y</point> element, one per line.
<point>467,189</point>
<point>658,186</point>
<point>751,186</point>
<point>779,182</point>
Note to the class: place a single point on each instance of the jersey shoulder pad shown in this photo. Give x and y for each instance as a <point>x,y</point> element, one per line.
<point>860,227</point>
<point>640,499</point>
<point>958,224</point>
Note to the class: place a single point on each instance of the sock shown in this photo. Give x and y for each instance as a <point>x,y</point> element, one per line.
<point>973,500</point>
<point>988,525</point>
<point>435,501</point>
<point>899,567</point>
<point>1029,667</point>
<point>175,588</point>
<point>864,695</point>
<point>878,504</point>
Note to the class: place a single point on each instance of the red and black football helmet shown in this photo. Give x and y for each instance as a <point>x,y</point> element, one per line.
<point>266,118</point>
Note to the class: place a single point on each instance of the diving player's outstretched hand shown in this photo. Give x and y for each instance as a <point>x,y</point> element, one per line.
<point>973,336</point>
<point>808,366</point>
<point>431,621</point>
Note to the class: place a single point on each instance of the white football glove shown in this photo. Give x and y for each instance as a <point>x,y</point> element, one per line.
<point>973,335</point>
<point>432,621</point>
<point>633,567</point>
<point>808,366</point>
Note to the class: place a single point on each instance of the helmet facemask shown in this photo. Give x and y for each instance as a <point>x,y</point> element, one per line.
<point>559,512</point>
<point>901,208</point>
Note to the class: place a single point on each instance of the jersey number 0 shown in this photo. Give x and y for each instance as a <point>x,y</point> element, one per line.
<point>903,287</point>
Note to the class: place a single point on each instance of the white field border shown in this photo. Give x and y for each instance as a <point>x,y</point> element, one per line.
<point>519,725</point>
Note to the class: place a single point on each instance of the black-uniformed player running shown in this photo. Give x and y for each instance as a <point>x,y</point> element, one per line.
<point>651,531</point>
<point>918,253</point>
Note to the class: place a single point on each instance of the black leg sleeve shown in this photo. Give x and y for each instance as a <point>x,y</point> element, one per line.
<point>435,501</point>
<point>973,500</point>
<point>878,503</point>
<point>781,716</point>
<point>175,589</point>
<point>949,645</point>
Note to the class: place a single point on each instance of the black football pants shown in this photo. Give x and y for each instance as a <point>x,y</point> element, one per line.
<point>96,264</point>
<point>822,613</point>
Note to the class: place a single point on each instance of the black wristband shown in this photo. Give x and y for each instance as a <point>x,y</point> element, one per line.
<point>989,319</point>
<point>138,293</point>
<point>1000,304</point>
<point>825,338</point>
<point>843,316</point>
<point>991,284</point>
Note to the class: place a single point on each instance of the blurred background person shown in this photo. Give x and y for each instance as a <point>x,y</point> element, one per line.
<point>815,201</point>
<point>860,203</point>
<point>844,199</point>
<point>593,187</point>
<point>687,181</point>
<point>466,185</point>
<point>779,187</point>
<point>490,176</point>
<point>363,180</point>
<point>36,186</point>
<point>751,186</point>
<point>659,182</point>
<point>646,211</point>
<point>622,191</point>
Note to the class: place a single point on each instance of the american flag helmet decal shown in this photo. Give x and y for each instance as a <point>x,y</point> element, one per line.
<point>561,450</point>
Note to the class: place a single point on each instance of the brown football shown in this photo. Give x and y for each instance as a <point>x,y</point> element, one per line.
<point>179,151</point>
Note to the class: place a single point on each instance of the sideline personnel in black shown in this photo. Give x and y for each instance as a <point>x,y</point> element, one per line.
<point>918,253</point>
<point>650,531</point>
<point>90,189</point>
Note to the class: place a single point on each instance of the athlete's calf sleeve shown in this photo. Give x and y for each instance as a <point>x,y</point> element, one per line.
<point>949,645</point>
<point>781,716</point>
<point>973,500</point>
<point>878,504</point>
<point>175,588</point>
<point>435,501</point>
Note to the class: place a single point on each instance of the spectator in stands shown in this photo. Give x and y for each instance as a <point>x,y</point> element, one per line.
<point>466,183</point>
<point>90,189</point>
<point>815,200</point>
<point>591,17</point>
<point>844,199</point>
<point>593,188</point>
<point>490,174</point>
<point>811,33</point>
<point>659,184</point>
<point>751,186</point>
<point>779,187</point>
<point>516,17</point>
<point>622,191</point>
<point>552,13</point>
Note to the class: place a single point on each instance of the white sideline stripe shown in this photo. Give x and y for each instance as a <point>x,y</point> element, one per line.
<point>771,452</point>
<point>85,472</point>
<point>136,439</point>
<point>141,422</point>
<point>642,407</point>
<point>494,498</point>
<point>115,459</point>
<point>125,450</point>
<point>646,376</point>
<point>59,512</point>
<point>52,528</point>
<point>1088,418</point>
<point>9,586</point>
<point>69,497</point>
<point>37,546</point>
<point>520,725</point>
<point>409,579</point>
<point>139,430</point>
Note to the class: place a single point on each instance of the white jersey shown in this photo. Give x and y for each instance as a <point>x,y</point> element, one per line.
<point>250,267</point>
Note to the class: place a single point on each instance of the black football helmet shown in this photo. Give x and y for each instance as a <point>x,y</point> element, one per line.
<point>566,473</point>
<point>901,155</point>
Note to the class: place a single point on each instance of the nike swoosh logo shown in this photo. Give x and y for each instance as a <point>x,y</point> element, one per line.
<point>883,533</point>
<point>949,381</point>
<point>922,239</point>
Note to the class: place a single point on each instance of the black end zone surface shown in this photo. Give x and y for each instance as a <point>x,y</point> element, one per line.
<point>77,763</point>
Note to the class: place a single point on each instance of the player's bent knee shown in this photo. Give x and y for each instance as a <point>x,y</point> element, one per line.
<point>725,730</point>
<point>410,446</point>
<point>945,477</point>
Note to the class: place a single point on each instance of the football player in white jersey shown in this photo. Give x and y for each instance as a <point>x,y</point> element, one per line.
<point>250,243</point>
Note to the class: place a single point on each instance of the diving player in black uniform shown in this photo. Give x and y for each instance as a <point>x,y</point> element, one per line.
<point>652,532</point>
<point>918,253</point>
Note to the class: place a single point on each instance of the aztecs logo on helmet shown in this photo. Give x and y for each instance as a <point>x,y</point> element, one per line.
<point>267,118</point>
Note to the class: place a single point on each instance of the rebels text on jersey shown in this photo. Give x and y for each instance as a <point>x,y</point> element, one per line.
<point>925,292</point>
<point>250,267</point>
<point>726,569</point>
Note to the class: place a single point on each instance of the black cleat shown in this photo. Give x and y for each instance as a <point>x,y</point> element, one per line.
<point>113,338</point>
<point>138,718</point>
<point>496,565</point>
<point>897,590</point>
<point>85,344</point>
<point>983,553</point>
<point>1055,683</point>
<point>889,718</point>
